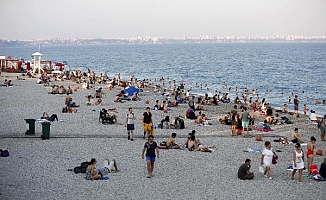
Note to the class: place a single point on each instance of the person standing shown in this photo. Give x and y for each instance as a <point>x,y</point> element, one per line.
<point>298,163</point>
<point>191,102</point>
<point>322,127</point>
<point>296,105</point>
<point>243,172</point>
<point>150,147</point>
<point>147,122</point>
<point>234,121</point>
<point>130,124</point>
<point>245,121</point>
<point>310,152</point>
<point>266,159</point>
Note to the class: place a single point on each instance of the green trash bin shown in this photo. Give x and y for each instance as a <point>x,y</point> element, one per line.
<point>45,130</point>
<point>31,126</point>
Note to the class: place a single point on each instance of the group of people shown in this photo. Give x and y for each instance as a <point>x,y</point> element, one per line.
<point>298,156</point>
<point>7,83</point>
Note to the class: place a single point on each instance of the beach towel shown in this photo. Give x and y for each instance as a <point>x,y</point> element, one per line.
<point>162,147</point>
<point>104,178</point>
<point>264,130</point>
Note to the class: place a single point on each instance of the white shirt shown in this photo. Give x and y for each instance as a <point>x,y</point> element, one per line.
<point>313,117</point>
<point>268,157</point>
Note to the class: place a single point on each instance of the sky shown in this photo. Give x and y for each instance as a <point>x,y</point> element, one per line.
<point>47,19</point>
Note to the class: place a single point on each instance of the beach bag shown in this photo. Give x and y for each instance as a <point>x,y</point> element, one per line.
<point>274,160</point>
<point>163,143</point>
<point>152,130</point>
<point>82,168</point>
<point>313,169</point>
<point>4,153</point>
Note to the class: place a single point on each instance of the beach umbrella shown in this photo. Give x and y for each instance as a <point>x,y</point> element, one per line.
<point>131,90</point>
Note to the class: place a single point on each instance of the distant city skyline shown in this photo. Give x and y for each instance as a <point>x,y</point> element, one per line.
<point>35,19</point>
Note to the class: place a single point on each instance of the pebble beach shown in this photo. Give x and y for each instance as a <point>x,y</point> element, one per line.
<point>38,169</point>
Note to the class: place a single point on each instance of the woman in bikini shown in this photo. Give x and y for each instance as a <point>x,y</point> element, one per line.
<point>310,152</point>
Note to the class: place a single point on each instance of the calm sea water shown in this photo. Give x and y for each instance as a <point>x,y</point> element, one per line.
<point>287,68</point>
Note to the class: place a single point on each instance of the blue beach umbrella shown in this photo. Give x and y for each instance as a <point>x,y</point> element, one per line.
<point>131,90</point>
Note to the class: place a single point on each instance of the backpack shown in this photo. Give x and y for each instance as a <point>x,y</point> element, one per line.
<point>82,168</point>
<point>313,169</point>
<point>182,124</point>
<point>4,153</point>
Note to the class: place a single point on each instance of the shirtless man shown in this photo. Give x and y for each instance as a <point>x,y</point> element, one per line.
<point>171,144</point>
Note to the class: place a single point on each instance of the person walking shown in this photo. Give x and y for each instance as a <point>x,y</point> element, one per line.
<point>147,122</point>
<point>266,159</point>
<point>298,163</point>
<point>150,147</point>
<point>130,124</point>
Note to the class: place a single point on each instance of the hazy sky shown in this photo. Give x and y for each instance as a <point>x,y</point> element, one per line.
<point>30,19</point>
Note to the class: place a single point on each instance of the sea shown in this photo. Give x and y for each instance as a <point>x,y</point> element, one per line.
<point>278,71</point>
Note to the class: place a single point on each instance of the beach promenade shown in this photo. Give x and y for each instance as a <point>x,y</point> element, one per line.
<point>38,169</point>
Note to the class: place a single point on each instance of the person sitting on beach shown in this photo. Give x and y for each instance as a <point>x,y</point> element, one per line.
<point>313,116</point>
<point>172,104</point>
<point>295,137</point>
<point>121,96</point>
<point>69,90</point>
<point>166,123</point>
<point>98,93</point>
<point>55,90</point>
<point>85,85</point>
<point>195,145</point>
<point>269,111</point>
<point>269,119</point>
<point>243,172</point>
<point>178,123</point>
<point>285,109</point>
<point>237,100</point>
<point>157,105</point>
<point>199,119</point>
<point>5,83</point>
<point>47,117</point>
<point>90,100</point>
<point>265,125</point>
<point>322,169</point>
<point>225,119</point>
<point>190,114</point>
<point>198,106</point>
<point>91,174</point>
<point>62,90</point>
<point>170,143</point>
<point>225,98</point>
<point>135,97</point>
<point>106,117</point>
<point>107,167</point>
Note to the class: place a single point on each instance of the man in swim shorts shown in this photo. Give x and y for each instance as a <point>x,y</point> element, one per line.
<point>245,121</point>
<point>147,121</point>
<point>296,105</point>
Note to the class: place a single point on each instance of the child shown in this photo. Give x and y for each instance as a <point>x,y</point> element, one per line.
<point>305,108</point>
